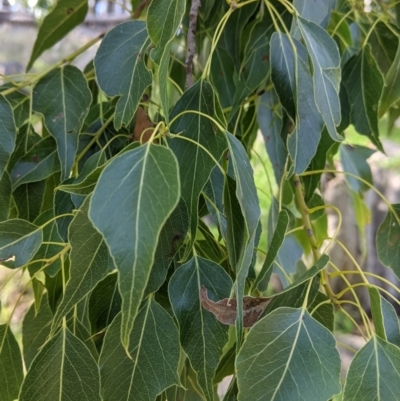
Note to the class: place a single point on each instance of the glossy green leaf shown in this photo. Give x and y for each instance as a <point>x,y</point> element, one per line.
<point>288,355</point>
<point>202,336</point>
<point>28,199</point>
<point>35,329</point>
<point>283,72</point>
<point>63,369</point>
<point>63,205</point>
<point>364,84</point>
<point>322,311</point>
<point>65,16</point>
<point>37,164</point>
<point>121,69</point>
<point>276,242</point>
<point>388,240</point>
<point>384,39</point>
<point>214,190</point>
<point>391,90</point>
<point>47,250</point>
<point>90,262</point>
<point>171,238</point>
<point>385,318</point>
<point>354,161</point>
<point>269,118</point>
<point>293,84</point>
<point>104,305</point>
<point>163,20</point>
<point>374,373</point>
<point>326,77</point>
<point>64,115</point>
<point>255,65</point>
<point>19,241</point>
<point>195,164</point>
<point>149,194</point>
<point>246,195</point>
<point>11,371</point>
<point>88,177</point>
<point>5,196</point>
<point>314,11</point>
<point>222,77</point>
<point>154,357</point>
<point>7,133</point>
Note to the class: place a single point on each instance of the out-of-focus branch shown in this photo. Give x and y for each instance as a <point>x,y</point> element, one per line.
<point>191,42</point>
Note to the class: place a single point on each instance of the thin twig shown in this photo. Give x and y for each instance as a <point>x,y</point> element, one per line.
<point>141,6</point>
<point>191,42</point>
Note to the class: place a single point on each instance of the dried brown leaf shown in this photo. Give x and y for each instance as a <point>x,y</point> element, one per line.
<point>142,123</point>
<point>225,309</point>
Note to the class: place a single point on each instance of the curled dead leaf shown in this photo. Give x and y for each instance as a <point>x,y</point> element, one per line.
<point>142,131</point>
<point>225,309</point>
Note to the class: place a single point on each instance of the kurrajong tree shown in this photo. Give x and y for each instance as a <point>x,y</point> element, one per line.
<point>128,195</point>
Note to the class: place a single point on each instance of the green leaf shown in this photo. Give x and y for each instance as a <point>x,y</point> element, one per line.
<point>64,115</point>
<point>276,242</point>
<point>283,354</point>
<point>374,373</point>
<point>8,133</point>
<point>385,318</point>
<point>121,69</point>
<point>90,261</point>
<point>35,329</point>
<point>391,90</point>
<point>195,164</point>
<point>154,357</point>
<point>46,251</point>
<point>384,39</point>
<point>37,164</point>
<point>28,199</point>
<point>388,240</point>
<point>293,83</point>
<point>221,76</point>
<point>283,72</point>
<point>255,65</point>
<point>170,240</point>
<point>147,194</point>
<point>88,177</point>
<point>317,12</point>
<point>202,336</point>
<point>322,312</point>
<point>354,161</point>
<point>19,241</point>
<point>163,20</point>
<point>63,369</point>
<point>364,84</point>
<point>11,370</point>
<point>104,305</point>
<point>5,196</point>
<point>246,195</point>
<point>269,118</point>
<point>326,62</point>
<point>65,16</point>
